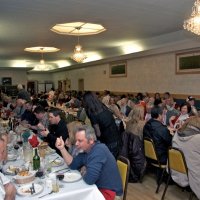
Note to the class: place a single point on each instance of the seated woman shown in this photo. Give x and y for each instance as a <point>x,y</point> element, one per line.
<point>133,149</point>
<point>136,121</point>
<point>70,142</point>
<point>187,139</point>
<point>177,121</point>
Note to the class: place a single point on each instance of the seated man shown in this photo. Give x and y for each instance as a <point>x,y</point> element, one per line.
<point>28,115</point>
<point>7,189</point>
<point>56,129</point>
<point>159,133</point>
<point>42,119</point>
<point>100,165</point>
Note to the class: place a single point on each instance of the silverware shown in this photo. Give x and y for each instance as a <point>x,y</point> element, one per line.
<point>65,170</point>
<point>54,159</point>
<point>46,194</point>
<point>33,187</point>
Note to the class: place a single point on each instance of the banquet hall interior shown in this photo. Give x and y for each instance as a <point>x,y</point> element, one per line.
<point>145,46</point>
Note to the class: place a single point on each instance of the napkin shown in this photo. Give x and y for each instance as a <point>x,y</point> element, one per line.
<point>26,135</point>
<point>34,141</point>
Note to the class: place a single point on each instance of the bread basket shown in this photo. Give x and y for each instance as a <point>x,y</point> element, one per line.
<point>25,179</point>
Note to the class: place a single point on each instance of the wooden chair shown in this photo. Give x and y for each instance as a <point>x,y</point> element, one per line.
<point>150,153</point>
<point>124,170</point>
<point>176,162</point>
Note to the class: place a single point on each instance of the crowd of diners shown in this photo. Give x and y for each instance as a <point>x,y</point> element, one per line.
<point>116,125</point>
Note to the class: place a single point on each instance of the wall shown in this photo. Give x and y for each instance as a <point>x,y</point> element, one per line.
<point>40,77</point>
<point>17,75</point>
<point>151,73</point>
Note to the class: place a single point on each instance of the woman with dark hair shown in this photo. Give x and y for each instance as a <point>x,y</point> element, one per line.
<point>177,121</point>
<point>103,122</point>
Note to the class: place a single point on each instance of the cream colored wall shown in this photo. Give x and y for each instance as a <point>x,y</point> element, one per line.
<point>18,76</point>
<point>40,77</point>
<point>145,74</point>
<point>157,74</point>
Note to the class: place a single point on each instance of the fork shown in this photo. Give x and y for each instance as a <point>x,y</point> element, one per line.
<point>46,194</point>
<point>54,159</point>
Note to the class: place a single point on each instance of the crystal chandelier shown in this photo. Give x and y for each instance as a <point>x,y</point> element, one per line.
<point>78,55</point>
<point>42,57</point>
<point>193,23</point>
<point>78,29</point>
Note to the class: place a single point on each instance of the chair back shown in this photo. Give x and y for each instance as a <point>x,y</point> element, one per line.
<point>124,170</point>
<point>176,160</point>
<point>150,152</point>
<point>149,149</point>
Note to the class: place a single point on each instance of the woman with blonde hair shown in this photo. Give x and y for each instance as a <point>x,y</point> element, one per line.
<point>136,121</point>
<point>71,141</point>
<point>187,139</point>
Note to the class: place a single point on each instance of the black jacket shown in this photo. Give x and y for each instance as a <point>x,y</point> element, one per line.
<point>133,150</point>
<point>161,136</point>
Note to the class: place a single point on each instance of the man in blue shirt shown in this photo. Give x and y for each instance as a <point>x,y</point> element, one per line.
<point>100,165</point>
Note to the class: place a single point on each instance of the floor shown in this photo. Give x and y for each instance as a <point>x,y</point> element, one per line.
<point>146,191</point>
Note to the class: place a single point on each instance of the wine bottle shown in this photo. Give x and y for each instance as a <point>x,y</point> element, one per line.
<point>10,124</point>
<point>36,160</point>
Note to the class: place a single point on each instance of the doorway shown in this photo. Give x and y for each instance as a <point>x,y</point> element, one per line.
<point>31,87</point>
<point>81,85</point>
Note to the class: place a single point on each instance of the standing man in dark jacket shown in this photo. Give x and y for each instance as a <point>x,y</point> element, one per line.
<point>159,133</point>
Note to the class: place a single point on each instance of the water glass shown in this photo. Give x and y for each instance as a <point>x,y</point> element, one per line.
<point>54,181</point>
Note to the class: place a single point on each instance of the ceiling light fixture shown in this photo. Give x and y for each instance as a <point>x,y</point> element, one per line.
<point>78,54</point>
<point>78,29</point>
<point>41,50</point>
<point>193,23</point>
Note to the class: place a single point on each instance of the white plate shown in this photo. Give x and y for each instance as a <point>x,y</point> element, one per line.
<point>25,189</point>
<point>10,170</point>
<point>70,177</point>
<point>56,163</point>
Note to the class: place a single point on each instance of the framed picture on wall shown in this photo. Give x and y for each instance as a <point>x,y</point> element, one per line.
<point>6,81</point>
<point>188,63</point>
<point>118,69</point>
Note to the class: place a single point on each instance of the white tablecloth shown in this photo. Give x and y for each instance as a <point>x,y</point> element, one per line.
<point>71,191</point>
<point>78,190</point>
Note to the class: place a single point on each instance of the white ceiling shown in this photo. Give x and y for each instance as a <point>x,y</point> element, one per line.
<point>144,24</point>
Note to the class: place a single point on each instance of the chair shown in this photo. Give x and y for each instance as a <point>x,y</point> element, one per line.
<point>124,170</point>
<point>150,152</point>
<point>176,161</point>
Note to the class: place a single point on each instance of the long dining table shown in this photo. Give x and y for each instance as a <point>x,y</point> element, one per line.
<point>77,190</point>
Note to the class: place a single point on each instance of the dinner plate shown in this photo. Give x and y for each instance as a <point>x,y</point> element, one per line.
<point>11,170</point>
<point>56,162</point>
<point>25,190</point>
<point>70,177</point>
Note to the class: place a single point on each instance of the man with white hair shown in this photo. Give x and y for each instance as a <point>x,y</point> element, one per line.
<point>100,165</point>
<point>22,93</point>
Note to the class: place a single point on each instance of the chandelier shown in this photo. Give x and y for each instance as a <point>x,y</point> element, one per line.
<point>42,66</point>
<point>193,23</point>
<point>78,54</point>
<point>78,29</point>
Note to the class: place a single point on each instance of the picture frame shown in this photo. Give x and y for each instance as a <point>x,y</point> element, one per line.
<point>188,62</point>
<point>118,69</point>
<point>6,81</point>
